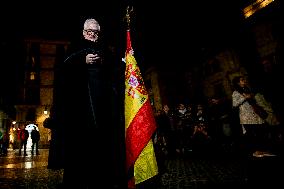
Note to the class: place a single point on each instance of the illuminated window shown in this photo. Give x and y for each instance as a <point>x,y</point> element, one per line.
<point>32,75</point>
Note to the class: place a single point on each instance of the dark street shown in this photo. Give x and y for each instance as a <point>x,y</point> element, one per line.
<point>194,171</point>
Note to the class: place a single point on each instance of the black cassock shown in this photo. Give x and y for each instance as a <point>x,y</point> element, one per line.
<point>88,106</point>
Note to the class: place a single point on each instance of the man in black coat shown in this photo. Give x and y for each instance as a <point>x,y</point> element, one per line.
<point>35,136</point>
<point>88,109</point>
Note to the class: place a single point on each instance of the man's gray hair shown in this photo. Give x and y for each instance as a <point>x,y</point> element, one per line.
<point>91,21</point>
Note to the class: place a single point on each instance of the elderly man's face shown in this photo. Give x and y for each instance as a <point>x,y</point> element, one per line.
<point>91,31</point>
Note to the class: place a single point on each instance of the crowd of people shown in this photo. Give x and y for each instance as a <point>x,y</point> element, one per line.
<point>188,128</point>
<point>20,140</point>
<point>219,124</point>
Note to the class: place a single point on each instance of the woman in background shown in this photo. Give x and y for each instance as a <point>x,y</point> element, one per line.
<point>255,128</point>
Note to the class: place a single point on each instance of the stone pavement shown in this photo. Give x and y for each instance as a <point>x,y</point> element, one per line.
<point>27,172</point>
<point>220,169</point>
<point>209,170</point>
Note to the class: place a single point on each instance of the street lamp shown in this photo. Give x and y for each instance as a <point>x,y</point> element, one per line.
<point>45,111</point>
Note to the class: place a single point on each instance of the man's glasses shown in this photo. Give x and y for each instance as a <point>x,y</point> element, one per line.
<point>90,31</point>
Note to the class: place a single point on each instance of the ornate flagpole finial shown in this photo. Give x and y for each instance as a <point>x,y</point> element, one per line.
<point>127,16</point>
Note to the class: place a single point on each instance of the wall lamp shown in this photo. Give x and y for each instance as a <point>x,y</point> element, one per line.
<point>45,111</point>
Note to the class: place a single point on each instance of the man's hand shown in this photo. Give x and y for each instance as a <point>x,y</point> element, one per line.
<point>92,58</point>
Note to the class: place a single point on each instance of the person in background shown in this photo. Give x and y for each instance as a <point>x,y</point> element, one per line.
<point>56,150</point>
<point>255,129</point>
<point>181,120</point>
<point>164,122</point>
<point>4,143</point>
<point>221,129</point>
<point>160,141</point>
<point>1,142</point>
<point>23,136</point>
<point>88,110</point>
<point>35,136</point>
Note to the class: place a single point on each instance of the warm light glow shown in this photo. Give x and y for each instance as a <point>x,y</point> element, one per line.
<point>45,110</point>
<point>11,134</point>
<point>25,165</point>
<point>32,75</point>
<point>14,122</point>
<point>256,6</point>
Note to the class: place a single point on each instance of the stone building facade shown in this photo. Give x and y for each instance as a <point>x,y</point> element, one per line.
<point>36,91</point>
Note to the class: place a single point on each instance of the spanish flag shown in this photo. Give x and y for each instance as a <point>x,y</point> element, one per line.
<point>140,123</point>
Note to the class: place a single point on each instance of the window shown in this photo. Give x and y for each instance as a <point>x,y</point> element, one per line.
<point>32,76</point>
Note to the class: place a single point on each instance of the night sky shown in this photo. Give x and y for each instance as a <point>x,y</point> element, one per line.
<point>181,18</point>
<point>159,28</point>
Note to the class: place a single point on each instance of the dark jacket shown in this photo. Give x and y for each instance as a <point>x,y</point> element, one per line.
<point>88,109</point>
<point>35,135</point>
